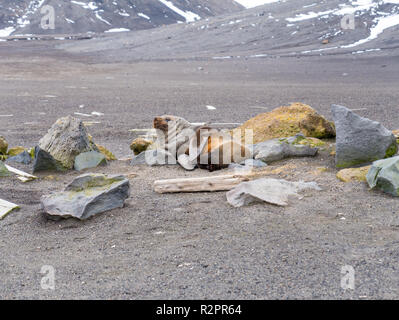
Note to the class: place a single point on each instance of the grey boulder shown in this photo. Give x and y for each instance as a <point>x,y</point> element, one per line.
<point>66,139</point>
<point>87,195</point>
<point>88,160</point>
<point>360,140</point>
<point>384,174</point>
<point>24,158</point>
<point>281,148</point>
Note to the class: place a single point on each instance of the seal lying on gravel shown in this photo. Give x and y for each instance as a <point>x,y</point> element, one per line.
<point>173,134</point>
<point>205,147</point>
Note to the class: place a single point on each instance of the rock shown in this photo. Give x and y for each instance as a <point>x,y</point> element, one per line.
<point>254,163</point>
<point>140,145</point>
<point>88,160</point>
<point>278,149</point>
<point>272,191</point>
<point>247,165</point>
<point>384,174</point>
<point>3,170</point>
<point>65,140</point>
<point>43,161</point>
<point>287,121</point>
<point>3,145</point>
<point>353,174</point>
<point>154,158</point>
<point>88,195</point>
<point>23,158</point>
<point>108,154</point>
<point>15,151</point>
<point>360,140</point>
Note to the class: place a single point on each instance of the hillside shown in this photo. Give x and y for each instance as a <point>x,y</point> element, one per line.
<point>72,17</point>
<point>289,28</point>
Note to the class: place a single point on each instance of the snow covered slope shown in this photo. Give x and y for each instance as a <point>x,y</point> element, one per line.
<point>280,28</point>
<point>82,16</point>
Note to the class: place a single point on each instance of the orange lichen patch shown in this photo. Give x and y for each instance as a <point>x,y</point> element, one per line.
<point>353,174</point>
<point>287,121</point>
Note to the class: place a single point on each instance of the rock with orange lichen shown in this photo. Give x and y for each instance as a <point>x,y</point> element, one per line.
<point>287,121</point>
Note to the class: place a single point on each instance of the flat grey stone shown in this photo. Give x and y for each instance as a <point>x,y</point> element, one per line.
<point>281,148</point>
<point>24,158</point>
<point>360,140</point>
<point>88,195</point>
<point>273,191</point>
<point>156,157</point>
<point>88,160</point>
<point>384,174</point>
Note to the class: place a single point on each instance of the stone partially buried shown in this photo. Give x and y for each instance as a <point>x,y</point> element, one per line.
<point>88,195</point>
<point>360,140</point>
<point>87,160</point>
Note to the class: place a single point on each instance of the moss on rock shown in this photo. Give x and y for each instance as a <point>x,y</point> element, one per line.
<point>287,121</point>
<point>3,145</point>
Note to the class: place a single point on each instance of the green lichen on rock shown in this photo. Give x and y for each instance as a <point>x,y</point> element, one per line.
<point>3,145</point>
<point>108,154</point>
<point>392,150</point>
<point>140,145</point>
<point>12,152</point>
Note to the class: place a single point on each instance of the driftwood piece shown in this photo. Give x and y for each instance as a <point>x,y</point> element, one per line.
<point>6,207</point>
<point>208,184</point>
<point>23,176</point>
<point>214,183</point>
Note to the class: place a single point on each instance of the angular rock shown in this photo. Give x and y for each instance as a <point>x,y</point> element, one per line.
<point>353,174</point>
<point>88,160</point>
<point>65,140</point>
<point>287,121</point>
<point>23,158</point>
<point>272,191</point>
<point>156,157</point>
<point>360,140</point>
<point>43,161</point>
<point>384,174</point>
<point>88,195</point>
<point>3,170</point>
<point>278,149</point>
<point>3,145</point>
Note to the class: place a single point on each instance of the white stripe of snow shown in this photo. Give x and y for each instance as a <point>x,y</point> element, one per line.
<point>188,15</point>
<point>254,3</point>
<point>117,30</point>
<point>6,32</point>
